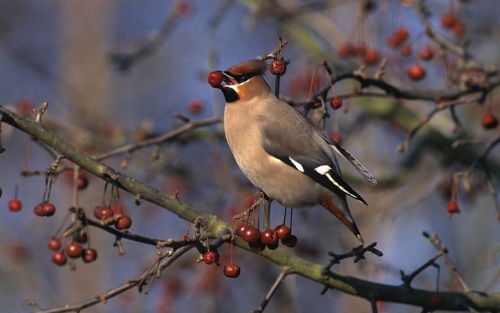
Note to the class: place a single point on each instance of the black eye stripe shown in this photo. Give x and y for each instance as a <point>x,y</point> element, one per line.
<point>242,78</point>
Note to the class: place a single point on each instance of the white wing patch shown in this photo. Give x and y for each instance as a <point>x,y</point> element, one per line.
<point>339,186</point>
<point>297,165</point>
<point>323,169</point>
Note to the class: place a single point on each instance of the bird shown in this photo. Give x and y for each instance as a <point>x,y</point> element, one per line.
<point>278,148</point>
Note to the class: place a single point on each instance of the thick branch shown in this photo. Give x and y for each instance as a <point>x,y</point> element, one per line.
<point>354,286</point>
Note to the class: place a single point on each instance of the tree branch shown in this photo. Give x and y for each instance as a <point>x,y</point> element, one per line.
<point>371,291</point>
<point>137,282</point>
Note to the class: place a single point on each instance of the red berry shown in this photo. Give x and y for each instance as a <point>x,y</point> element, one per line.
<point>82,181</point>
<point>210,257</point>
<point>289,241</point>
<point>38,210</point>
<point>82,237</point>
<point>54,244</point>
<point>274,245</point>
<point>335,135</point>
<point>215,78</point>
<point>123,222</point>
<point>74,250</point>
<point>426,53</point>
<point>393,42</point>
<point>103,212</point>
<point>406,50</point>
<point>257,246</point>
<point>489,121</point>
<point>371,56</point>
<point>401,34</point>
<point>283,231</point>
<point>448,20</point>
<point>269,237</point>
<point>15,205</point>
<point>360,49</point>
<point>24,107</point>
<point>195,106</point>
<point>232,270</point>
<point>416,72</point>
<point>458,29</point>
<point>251,234</point>
<point>48,209</point>
<point>89,255</point>
<point>452,207</point>
<point>346,50</point>
<point>240,228</point>
<point>398,37</point>
<point>336,103</point>
<point>186,237</point>
<point>277,67</point>
<point>117,209</point>
<point>59,258</point>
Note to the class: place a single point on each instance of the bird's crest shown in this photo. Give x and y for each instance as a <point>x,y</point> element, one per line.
<point>257,67</point>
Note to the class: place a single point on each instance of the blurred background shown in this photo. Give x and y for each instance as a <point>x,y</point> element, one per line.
<point>116,72</point>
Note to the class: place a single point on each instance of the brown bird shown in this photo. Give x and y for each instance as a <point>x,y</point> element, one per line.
<point>280,151</point>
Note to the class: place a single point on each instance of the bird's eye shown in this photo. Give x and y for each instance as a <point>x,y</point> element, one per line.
<point>244,77</point>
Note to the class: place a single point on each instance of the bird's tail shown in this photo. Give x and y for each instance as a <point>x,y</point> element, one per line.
<point>341,211</point>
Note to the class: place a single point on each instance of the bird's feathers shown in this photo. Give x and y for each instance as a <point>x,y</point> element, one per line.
<point>248,67</point>
<point>323,175</point>
<point>292,139</point>
<point>357,165</point>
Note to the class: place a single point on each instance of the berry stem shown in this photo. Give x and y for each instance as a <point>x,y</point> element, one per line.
<point>231,250</point>
<point>2,149</point>
<point>16,186</point>
<point>272,290</point>
<point>104,194</point>
<point>277,86</point>
<point>267,214</point>
<point>76,172</point>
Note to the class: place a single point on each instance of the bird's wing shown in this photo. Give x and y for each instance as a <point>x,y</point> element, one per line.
<point>357,165</point>
<point>293,140</point>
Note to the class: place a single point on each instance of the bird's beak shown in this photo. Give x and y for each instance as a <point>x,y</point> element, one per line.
<point>229,79</point>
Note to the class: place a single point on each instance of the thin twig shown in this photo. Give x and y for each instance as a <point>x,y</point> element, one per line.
<point>271,291</point>
<point>358,253</point>
<point>407,279</point>
<point>102,298</point>
<point>347,284</point>
<point>187,127</point>
<point>407,143</point>
<point>125,58</point>
<point>436,242</point>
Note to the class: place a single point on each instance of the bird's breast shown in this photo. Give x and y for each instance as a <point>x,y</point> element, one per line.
<point>278,180</point>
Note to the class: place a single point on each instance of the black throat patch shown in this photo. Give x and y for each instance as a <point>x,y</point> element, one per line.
<point>230,95</point>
